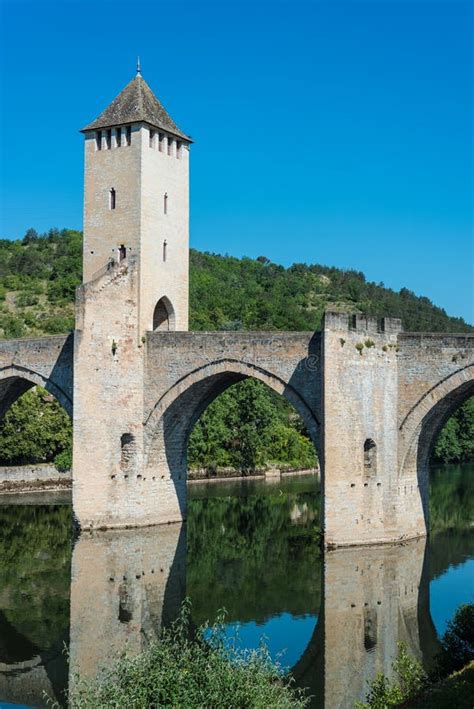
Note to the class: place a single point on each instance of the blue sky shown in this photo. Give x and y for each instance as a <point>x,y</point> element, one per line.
<point>332,132</point>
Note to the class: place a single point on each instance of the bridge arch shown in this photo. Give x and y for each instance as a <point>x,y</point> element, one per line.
<point>15,380</point>
<point>420,427</point>
<point>169,424</point>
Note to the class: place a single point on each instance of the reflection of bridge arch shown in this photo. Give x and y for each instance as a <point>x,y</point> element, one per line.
<point>28,680</point>
<point>308,672</point>
<point>372,598</point>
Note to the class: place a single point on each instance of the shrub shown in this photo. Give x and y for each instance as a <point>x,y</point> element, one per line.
<point>26,298</point>
<point>58,324</point>
<point>63,461</point>
<point>383,693</point>
<point>184,671</point>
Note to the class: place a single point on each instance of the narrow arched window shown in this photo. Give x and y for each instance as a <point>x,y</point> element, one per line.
<point>370,457</point>
<point>165,203</point>
<point>112,198</point>
<point>163,316</point>
<point>165,244</point>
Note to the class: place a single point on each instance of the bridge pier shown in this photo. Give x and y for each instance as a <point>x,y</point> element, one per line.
<point>360,403</point>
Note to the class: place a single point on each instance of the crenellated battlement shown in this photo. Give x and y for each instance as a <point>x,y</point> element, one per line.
<point>337,321</point>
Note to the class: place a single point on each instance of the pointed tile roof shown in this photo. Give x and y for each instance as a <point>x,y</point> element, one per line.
<point>136,103</point>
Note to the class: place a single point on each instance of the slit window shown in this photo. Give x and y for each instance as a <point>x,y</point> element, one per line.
<point>370,629</point>
<point>152,138</point>
<point>165,203</point>
<point>128,135</point>
<point>118,136</point>
<point>127,450</point>
<point>178,149</point>
<point>370,457</point>
<point>98,140</point>
<point>165,244</point>
<point>122,252</point>
<point>170,146</point>
<point>108,138</point>
<point>161,140</point>
<point>112,199</point>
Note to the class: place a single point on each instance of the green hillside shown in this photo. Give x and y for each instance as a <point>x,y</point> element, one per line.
<point>248,426</point>
<point>38,275</point>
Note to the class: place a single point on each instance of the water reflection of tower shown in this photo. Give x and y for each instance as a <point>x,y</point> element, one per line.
<point>373,599</point>
<point>126,584</point>
<point>371,602</point>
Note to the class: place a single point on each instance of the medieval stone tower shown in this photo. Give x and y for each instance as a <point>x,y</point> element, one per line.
<point>136,202</point>
<point>135,261</point>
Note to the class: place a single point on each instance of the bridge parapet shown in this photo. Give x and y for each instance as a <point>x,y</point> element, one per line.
<point>361,323</point>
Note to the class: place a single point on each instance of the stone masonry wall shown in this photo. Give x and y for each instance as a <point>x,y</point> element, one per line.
<point>360,394</point>
<point>164,174</point>
<point>108,401</point>
<point>435,376</point>
<point>42,361</point>
<point>27,477</point>
<point>184,372</point>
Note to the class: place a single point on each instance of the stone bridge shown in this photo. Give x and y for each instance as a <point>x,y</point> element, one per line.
<point>372,398</point>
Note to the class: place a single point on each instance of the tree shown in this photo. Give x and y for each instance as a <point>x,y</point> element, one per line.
<point>34,430</point>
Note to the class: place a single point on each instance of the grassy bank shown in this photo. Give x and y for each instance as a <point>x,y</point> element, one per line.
<point>450,684</point>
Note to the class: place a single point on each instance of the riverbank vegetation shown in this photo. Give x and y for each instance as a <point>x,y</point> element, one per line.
<point>248,427</point>
<point>187,668</point>
<point>450,682</point>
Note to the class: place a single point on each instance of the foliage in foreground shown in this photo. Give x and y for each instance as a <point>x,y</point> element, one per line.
<point>454,692</point>
<point>184,671</point>
<point>411,680</point>
<point>413,687</point>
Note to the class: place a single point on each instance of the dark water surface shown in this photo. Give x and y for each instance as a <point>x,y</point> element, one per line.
<point>250,547</point>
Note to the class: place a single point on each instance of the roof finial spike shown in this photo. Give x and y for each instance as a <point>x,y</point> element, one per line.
<point>139,68</point>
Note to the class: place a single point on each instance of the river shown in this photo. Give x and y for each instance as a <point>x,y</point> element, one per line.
<point>251,547</point>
